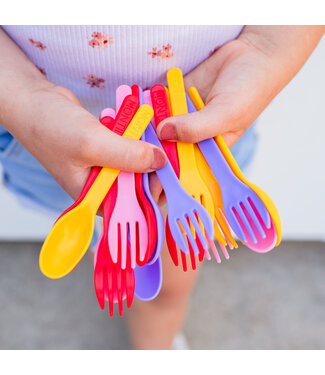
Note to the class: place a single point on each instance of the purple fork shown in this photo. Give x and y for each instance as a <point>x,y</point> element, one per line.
<point>239,201</point>
<point>182,208</point>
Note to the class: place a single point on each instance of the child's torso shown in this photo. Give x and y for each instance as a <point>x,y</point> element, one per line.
<point>92,61</point>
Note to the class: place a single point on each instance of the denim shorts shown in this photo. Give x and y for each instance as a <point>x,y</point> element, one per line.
<point>34,187</point>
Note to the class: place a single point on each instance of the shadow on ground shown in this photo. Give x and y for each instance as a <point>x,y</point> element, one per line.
<point>251,301</point>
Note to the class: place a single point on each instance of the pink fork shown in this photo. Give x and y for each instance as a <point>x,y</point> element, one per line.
<point>128,222</point>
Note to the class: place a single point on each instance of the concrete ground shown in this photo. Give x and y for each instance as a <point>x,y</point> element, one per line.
<point>270,301</point>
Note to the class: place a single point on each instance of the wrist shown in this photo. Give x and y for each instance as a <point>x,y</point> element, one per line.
<point>18,93</point>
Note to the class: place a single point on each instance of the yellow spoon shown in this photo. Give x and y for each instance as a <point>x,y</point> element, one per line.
<point>189,176</point>
<point>71,235</point>
<point>198,102</point>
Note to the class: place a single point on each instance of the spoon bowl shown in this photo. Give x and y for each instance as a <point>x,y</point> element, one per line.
<point>148,280</point>
<point>63,242</point>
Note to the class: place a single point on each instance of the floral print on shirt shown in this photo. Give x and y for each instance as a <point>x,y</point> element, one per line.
<point>37,44</point>
<point>100,40</point>
<point>42,70</point>
<point>212,51</point>
<point>94,81</point>
<point>164,53</point>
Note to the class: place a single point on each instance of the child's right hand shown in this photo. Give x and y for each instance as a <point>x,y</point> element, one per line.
<point>67,140</point>
<point>51,124</point>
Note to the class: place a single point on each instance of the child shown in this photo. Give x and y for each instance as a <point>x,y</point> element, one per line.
<point>54,86</point>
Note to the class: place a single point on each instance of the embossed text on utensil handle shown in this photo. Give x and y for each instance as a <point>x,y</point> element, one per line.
<point>107,176</point>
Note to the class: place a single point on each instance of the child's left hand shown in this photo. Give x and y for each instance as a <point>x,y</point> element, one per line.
<point>240,79</point>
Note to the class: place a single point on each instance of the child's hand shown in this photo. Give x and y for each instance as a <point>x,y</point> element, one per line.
<point>240,79</point>
<point>68,140</point>
<point>51,124</point>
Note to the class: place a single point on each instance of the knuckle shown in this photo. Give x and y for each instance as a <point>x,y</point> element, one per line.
<point>188,133</point>
<point>138,157</point>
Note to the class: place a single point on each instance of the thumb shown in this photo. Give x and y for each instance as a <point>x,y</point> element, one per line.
<point>217,118</point>
<point>107,149</point>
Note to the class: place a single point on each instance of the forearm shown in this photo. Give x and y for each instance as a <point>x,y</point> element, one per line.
<point>287,46</point>
<point>240,79</point>
<point>19,78</point>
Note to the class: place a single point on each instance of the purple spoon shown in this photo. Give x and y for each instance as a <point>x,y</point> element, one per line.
<point>148,280</point>
<point>182,208</point>
<point>238,199</point>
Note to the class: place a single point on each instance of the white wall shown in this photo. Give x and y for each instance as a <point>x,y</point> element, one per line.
<point>289,164</point>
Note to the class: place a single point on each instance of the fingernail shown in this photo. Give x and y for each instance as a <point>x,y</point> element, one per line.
<point>168,132</point>
<point>159,159</point>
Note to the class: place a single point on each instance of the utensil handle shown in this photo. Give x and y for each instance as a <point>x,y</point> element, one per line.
<point>107,176</point>
<point>216,160</point>
<point>186,155</point>
<point>166,174</point>
<point>158,98</point>
<point>211,152</point>
<point>126,185</point>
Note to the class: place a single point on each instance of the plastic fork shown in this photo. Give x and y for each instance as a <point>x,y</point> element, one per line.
<point>110,281</point>
<point>70,236</point>
<point>269,204</point>
<point>236,196</point>
<point>183,209</point>
<point>189,176</point>
<point>128,222</point>
<point>272,233</point>
<point>221,226</point>
<point>159,101</point>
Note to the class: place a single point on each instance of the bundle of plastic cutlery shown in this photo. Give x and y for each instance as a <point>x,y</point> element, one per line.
<point>209,204</point>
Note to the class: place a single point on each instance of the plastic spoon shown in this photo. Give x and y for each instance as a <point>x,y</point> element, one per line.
<point>148,280</point>
<point>70,236</point>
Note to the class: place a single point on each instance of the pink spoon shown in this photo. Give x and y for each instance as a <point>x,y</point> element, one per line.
<point>127,221</point>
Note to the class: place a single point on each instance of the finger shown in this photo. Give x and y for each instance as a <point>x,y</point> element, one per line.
<point>105,148</point>
<point>242,87</point>
<point>196,126</point>
<point>232,137</point>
